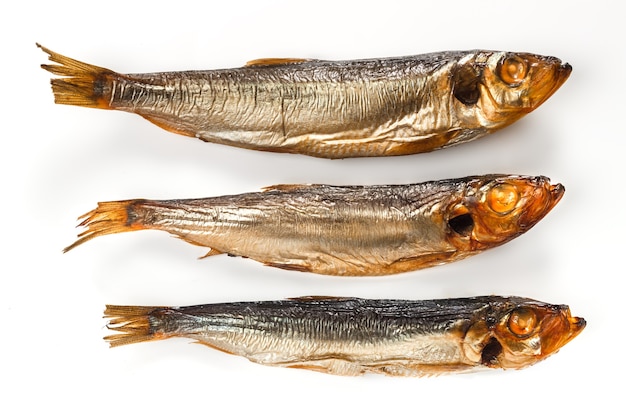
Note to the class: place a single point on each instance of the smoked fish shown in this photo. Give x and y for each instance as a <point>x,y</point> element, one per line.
<point>352,336</point>
<point>327,109</point>
<point>344,230</point>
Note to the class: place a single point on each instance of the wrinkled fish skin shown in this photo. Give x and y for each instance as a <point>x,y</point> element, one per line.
<point>351,336</point>
<point>328,109</point>
<point>345,230</point>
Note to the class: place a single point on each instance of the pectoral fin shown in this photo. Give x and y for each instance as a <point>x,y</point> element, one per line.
<point>211,252</point>
<point>289,267</point>
<point>331,366</point>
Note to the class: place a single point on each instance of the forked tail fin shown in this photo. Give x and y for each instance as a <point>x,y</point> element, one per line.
<point>84,84</point>
<point>110,217</point>
<point>132,323</point>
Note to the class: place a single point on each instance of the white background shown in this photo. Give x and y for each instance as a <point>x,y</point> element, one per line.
<point>58,161</point>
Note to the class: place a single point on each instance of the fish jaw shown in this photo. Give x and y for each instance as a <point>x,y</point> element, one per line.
<point>545,198</point>
<point>560,330</point>
<point>551,75</point>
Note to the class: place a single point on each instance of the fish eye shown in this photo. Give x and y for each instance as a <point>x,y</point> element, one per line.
<point>522,321</point>
<point>503,198</point>
<point>512,70</point>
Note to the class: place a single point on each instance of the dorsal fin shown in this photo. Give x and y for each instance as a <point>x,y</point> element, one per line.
<point>285,187</point>
<point>319,298</point>
<point>275,61</point>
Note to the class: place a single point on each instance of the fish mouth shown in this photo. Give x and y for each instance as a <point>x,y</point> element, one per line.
<point>577,324</point>
<point>556,193</point>
<point>562,73</point>
<point>548,81</point>
<point>561,329</point>
<point>545,197</point>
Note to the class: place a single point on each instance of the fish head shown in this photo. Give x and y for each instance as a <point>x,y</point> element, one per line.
<point>495,209</point>
<point>519,332</point>
<point>494,89</point>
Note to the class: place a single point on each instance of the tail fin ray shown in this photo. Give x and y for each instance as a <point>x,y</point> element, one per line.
<point>108,218</point>
<point>86,85</point>
<point>132,323</point>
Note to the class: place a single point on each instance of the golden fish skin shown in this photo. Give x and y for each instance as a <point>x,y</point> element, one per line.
<point>327,109</point>
<point>345,230</point>
<point>351,336</point>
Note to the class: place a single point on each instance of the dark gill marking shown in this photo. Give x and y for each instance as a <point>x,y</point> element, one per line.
<point>465,85</point>
<point>462,225</point>
<point>492,349</point>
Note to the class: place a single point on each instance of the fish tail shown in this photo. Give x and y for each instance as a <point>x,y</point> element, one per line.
<point>135,324</point>
<point>84,84</point>
<point>112,217</point>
